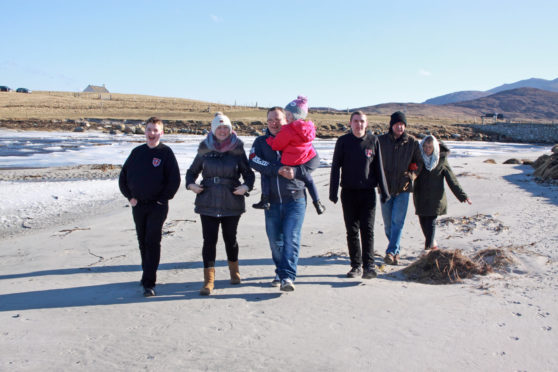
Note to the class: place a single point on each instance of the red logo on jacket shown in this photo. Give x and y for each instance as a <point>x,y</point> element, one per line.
<point>156,162</point>
<point>368,153</point>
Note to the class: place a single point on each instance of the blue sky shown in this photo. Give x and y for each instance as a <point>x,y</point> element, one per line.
<point>339,53</point>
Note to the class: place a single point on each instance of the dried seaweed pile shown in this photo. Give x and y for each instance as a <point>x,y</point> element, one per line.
<point>445,266</point>
<point>468,224</point>
<point>493,257</point>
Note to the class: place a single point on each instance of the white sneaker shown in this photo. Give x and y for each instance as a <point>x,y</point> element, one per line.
<point>287,285</point>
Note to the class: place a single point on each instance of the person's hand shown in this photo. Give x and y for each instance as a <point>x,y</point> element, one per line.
<point>240,190</point>
<point>468,201</point>
<point>133,202</point>
<point>195,188</point>
<point>333,199</point>
<point>287,172</point>
<point>412,175</point>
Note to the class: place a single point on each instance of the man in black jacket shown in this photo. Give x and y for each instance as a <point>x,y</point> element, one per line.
<point>149,179</point>
<point>402,162</point>
<point>357,154</point>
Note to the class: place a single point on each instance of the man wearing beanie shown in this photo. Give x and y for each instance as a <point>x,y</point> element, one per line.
<point>402,162</point>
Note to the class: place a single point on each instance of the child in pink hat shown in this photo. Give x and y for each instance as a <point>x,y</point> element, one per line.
<point>295,143</point>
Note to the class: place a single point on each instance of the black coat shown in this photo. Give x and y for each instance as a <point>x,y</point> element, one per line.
<point>358,163</point>
<point>429,195</point>
<point>397,155</point>
<point>221,175</point>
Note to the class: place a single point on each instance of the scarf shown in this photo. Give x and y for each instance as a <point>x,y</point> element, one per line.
<point>430,162</point>
<point>227,145</point>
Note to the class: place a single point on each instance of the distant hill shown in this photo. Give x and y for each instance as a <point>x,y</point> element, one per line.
<point>455,113</point>
<point>466,95</point>
<point>520,103</point>
<point>550,85</point>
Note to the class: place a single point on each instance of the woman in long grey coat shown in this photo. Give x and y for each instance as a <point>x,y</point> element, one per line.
<point>428,194</point>
<point>221,160</point>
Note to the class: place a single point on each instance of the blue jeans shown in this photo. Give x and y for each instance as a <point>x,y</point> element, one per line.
<point>283,223</point>
<point>394,212</point>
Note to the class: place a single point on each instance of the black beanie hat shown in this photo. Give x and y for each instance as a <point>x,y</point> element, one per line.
<point>397,117</point>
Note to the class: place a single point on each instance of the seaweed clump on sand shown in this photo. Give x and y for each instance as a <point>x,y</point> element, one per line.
<point>450,266</point>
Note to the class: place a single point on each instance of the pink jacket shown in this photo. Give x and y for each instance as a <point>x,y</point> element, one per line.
<point>295,142</point>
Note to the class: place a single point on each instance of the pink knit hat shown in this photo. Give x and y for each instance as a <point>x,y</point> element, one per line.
<point>298,107</point>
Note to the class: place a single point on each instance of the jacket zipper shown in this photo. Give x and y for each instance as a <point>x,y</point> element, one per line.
<point>277,178</point>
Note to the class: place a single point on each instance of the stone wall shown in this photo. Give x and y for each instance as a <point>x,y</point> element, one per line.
<point>516,132</point>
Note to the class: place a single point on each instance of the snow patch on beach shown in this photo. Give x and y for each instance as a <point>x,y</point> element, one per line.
<point>29,205</point>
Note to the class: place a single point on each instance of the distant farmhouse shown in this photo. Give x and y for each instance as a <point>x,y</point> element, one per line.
<point>96,89</point>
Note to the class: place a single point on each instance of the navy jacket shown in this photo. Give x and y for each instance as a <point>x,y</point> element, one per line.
<point>150,175</point>
<point>266,161</point>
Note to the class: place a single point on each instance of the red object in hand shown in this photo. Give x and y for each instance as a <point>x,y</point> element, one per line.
<point>413,167</point>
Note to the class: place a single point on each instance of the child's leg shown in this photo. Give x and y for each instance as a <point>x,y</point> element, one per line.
<point>311,186</point>
<point>264,201</point>
<point>265,188</point>
<point>306,177</point>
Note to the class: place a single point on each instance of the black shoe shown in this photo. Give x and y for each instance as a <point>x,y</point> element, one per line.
<point>320,208</point>
<point>262,204</point>
<point>354,273</point>
<point>148,292</point>
<point>369,273</point>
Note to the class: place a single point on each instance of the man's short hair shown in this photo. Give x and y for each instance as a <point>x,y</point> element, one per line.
<point>154,120</point>
<point>358,112</point>
<point>275,108</point>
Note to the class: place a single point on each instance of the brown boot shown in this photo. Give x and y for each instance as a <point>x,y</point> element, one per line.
<point>235,274</point>
<point>208,281</point>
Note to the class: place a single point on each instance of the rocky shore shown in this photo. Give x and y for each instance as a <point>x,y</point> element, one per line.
<point>70,173</point>
<point>546,167</point>
<point>461,132</point>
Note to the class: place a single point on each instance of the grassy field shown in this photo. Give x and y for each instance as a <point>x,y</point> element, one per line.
<point>43,105</point>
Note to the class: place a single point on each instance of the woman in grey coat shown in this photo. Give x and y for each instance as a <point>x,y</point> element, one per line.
<point>428,194</point>
<point>221,160</point>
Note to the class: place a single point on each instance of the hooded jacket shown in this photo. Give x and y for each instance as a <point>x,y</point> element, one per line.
<point>429,195</point>
<point>295,142</point>
<point>397,156</point>
<point>221,173</point>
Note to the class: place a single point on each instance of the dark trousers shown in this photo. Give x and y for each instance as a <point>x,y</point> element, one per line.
<point>359,211</point>
<point>428,226</point>
<point>149,219</point>
<point>210,232</point>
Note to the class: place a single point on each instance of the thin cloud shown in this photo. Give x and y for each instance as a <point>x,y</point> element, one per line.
<point>423,72</point>
<point>215,18</point>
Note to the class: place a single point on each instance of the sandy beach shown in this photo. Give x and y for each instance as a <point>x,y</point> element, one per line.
<point>70,297</point>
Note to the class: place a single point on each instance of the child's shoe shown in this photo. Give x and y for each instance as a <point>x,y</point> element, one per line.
<point>262,204</point>
<point>320,208</point>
